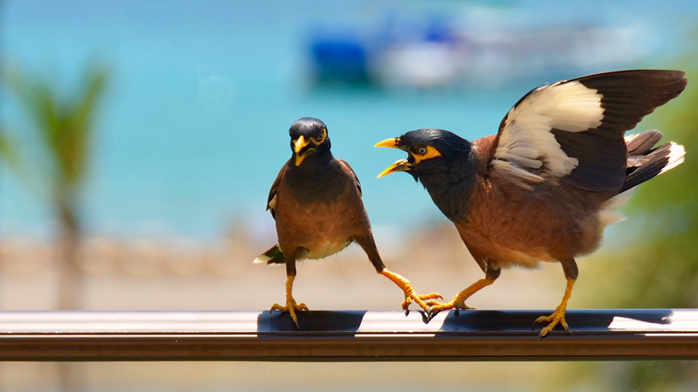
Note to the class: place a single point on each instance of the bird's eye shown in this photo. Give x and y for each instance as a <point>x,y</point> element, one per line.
<point>319,137</point>
<point>422,150</point>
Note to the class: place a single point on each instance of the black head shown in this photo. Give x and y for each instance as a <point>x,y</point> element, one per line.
<point>309,137</point>
<point>430,151</point>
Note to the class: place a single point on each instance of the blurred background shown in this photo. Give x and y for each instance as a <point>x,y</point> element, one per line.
<point>138,142</point>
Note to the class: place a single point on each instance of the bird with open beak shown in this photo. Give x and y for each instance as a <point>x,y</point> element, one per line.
<point>316,202</point>
<point>545,186</point>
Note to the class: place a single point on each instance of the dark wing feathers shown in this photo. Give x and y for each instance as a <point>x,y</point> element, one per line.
<point>575,129</point>
<point>627,97</point>
<point>271,199</point>
<point>350,172</point>
<point>601,161</point>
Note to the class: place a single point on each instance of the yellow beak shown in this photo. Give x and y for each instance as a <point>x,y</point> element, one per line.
<point>401,165</point>
<point>390,143</point>
<point>299,145</point>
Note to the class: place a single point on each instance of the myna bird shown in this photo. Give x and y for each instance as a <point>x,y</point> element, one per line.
<point>316,202</point>
<point>545,186</point>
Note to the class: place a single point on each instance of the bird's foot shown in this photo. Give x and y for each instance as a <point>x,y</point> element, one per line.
<point>410,296</point>
<point>291,307</point>
<point>457,304</point>
<point>558,317</point>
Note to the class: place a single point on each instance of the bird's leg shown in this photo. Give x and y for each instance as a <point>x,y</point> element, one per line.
<point>558,316</point>
<point>291,305</point>
<point>369,246</point>
<point>410,295</point>
<point>458,301</point>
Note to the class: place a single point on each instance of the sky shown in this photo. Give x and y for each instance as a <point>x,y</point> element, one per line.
<point>193,126</point>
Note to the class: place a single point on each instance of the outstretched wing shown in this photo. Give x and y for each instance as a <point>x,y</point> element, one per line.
<point>575,129</point>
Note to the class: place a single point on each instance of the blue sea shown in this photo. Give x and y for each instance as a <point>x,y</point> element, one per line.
<point>193,127</point>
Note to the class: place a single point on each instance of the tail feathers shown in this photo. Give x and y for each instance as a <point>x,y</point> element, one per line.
<point>641,143</point>
<point>272,256</point>
<point>645,163</point>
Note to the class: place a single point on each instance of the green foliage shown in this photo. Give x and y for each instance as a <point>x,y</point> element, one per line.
<point>63,130</point>
<point>62,126</point>
<point>7,151</point>
<point>659,267</point>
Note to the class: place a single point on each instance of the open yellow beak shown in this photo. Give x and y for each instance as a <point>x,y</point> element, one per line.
<point>299,145</point>
<point>401,165</point>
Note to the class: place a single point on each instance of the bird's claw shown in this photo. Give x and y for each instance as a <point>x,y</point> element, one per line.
<point>461,306</point>
<point>436,307</point>
<point>439,306</point>
<point>419,299</point>
<point>558,317</point>
<point>291,307</point>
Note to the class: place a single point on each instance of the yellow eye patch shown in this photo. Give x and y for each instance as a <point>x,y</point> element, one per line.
<point>431,152</point>
<point>322,140</point>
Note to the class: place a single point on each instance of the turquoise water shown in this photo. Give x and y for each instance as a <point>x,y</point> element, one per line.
<point>194,126</point>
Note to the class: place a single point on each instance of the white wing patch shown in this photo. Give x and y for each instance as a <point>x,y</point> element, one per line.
<point>526,140</point>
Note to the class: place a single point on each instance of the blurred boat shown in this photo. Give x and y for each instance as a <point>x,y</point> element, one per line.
<point>434,52</point>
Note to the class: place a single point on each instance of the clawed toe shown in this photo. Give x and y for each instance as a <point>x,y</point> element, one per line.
<point>431,296</point>
<point>558,317</point>
<point>420,300</point>
<point>436,307</point>
<point>291,307</point>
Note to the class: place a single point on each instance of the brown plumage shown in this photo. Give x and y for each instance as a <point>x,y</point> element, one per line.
<point>316,201</point>
<point>545,186</point>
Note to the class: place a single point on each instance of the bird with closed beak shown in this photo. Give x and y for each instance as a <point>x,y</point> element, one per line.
<point>545,186</point>
<point>316,202</point>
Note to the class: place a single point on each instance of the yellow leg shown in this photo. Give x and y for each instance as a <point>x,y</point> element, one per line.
<point>459,300</point>
<point>410,295</point>
<point>291,305</point>
<point>559,315</point>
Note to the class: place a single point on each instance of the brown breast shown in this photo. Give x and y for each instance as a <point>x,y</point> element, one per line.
<point>321,227</point>
<point>509,225</point>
